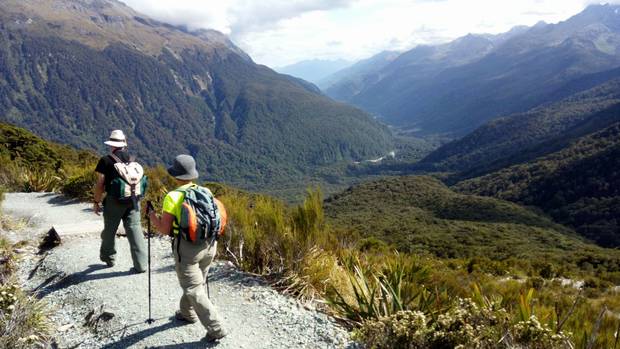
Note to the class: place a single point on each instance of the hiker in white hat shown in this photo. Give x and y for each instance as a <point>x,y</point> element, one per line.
<point>116,207</point>
<point>117,140</point>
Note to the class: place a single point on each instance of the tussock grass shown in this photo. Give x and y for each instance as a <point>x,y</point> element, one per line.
<point>24,319</point>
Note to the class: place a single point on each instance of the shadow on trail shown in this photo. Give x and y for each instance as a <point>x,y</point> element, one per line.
<point>135,338</point>
<point>229,274</point>
<point>48,286</point>
<point>197,344</point>
<point>60,200</point>
<point>164,269</point>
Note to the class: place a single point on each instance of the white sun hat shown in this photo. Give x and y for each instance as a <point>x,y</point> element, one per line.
<point>117,139</point>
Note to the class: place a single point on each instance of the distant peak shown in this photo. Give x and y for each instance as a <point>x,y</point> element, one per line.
<point>540,24</point>
<point>602,9</point>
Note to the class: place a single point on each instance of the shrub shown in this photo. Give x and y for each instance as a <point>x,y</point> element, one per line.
<point>80,186</point>
<point>10,177</point>
<point>41,181</point>
<point>372,244</point>
<point>468,325</point>
<point>405,329</point>
<point>465,324</point>
<point>7,261</point>
<point>261,236</point>
<point>535,335</point>
<point>396,285</point>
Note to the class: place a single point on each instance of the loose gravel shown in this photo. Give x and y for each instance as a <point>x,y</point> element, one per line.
<point>100,307</point>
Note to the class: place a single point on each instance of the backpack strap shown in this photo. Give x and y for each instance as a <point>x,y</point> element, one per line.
<point>176,219</point>
<point>116,158</point>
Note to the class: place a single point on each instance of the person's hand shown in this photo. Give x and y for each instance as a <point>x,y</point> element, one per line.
<point>97,208</point>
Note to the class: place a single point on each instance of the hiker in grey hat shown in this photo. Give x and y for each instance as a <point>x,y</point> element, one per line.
<point>115,209</point>
<point>192,259</point>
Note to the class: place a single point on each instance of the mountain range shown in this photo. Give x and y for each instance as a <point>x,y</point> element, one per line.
<point>72,70</point>
<point>554,143</point>
<point>455,87</point>
<point>347,82</point>
<point>314,70</point>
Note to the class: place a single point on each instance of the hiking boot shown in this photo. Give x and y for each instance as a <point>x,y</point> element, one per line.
<point>180,317</point>
<point>110,264</point>
<point>213,336</point>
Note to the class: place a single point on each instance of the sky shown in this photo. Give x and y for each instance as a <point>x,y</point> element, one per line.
<point>281,32</point>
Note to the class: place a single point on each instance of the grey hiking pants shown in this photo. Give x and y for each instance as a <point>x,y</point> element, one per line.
<point>192,271</point>
<point>113,212</point>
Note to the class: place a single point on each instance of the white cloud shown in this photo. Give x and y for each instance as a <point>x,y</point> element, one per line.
<point>234,17</point>
<point>280,32</point>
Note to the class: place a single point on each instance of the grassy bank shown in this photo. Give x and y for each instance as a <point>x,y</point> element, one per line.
<point>23,318</point>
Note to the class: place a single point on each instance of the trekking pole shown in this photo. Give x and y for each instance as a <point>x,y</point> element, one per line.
<point>149,208</point>
<point>208,293</point>
<point>213,240</point>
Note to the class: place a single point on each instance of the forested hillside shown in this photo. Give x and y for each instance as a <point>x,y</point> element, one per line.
<point>525,136</point>
<point>578,186</point>
<point>420,214</point>
<point>71,71</point>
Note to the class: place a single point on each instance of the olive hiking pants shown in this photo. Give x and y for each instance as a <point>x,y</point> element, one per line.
<point>113,212</point>
<point>192,265</point>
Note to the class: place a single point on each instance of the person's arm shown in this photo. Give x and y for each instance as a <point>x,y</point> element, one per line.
<point>162,225</point>
<point>98,190</point>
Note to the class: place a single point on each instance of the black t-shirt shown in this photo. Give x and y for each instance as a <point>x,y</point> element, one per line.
<point>105,166</point>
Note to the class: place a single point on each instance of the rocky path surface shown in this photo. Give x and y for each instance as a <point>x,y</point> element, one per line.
<point>100,307</point>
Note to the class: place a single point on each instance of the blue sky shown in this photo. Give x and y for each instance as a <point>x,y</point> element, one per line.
<point>281,32</point>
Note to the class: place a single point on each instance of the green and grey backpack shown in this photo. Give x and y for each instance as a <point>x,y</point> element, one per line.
<point>200,218</point>
<point>131,183</point>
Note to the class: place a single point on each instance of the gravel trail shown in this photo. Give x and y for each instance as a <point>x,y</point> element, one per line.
<point>100,307</point>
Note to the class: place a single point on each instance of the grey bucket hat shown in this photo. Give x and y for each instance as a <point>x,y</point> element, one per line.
<point>184,168</point>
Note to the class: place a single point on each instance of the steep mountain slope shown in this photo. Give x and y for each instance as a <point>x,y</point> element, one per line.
<point>421,214</point>
<point>578,186</point>
<point>476,78</point>
<point>314,70</point>
<point>72,70</point>
<point>525,136</point>
<point>405,79</point>
<point>345,83</point>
